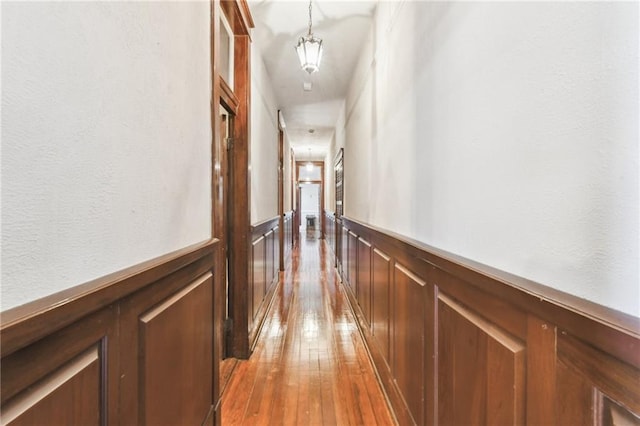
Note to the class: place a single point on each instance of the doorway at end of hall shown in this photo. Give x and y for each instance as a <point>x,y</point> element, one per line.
<point>310,210</point>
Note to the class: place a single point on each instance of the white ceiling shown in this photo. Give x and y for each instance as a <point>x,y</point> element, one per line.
<point>342,25</point>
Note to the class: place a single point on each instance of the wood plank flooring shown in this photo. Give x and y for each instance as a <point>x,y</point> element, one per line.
<point>310,365</point>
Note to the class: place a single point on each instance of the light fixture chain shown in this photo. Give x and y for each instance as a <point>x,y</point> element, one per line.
<point>310,17</point>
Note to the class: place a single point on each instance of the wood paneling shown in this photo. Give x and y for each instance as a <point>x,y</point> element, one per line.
<point>410,298</point>
<point>71,395</point>
<point>175,365</point>
<point>30,322</point>
<point>258,282</point>
<point>353,262</point>
<point>596,372</point>
<point>468,344</point>
<point>92,371</point>
<point>381,297</point>
<point>364,278</point>
<point>541,371</point>
<point>481,369</point>
<point>344,255</point>
<point>270,257</point>
<point>264,267</point>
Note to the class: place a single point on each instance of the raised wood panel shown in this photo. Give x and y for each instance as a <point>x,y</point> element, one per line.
<point>364,278</point>
<point>409,352</point>
<point>577,395</point>
<point>353,262</point>
<point>112,329</point>
<point>269,265</point>
<point>344,256</point>
<point>258,284</point>
<point>381,312</point>
<point>617,380</point>
<point>33,321</point>
<point>131,310</point>
<point>498,311</point>
<point>175,357</point>
<point>264,270</point>
<point>481,369</point>
<point>71,395</point>
<point>492,348</point>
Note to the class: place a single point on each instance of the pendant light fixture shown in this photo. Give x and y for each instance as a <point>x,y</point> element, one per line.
<point>309,49</point>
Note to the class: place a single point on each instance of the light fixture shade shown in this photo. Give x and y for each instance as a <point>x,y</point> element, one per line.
<point>309,51</point>
<point>309,166</point>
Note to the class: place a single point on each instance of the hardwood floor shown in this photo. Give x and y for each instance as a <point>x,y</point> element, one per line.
<point>309,366</point>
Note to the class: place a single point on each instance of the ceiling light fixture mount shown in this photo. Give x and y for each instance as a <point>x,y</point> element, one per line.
<point>309,49</point>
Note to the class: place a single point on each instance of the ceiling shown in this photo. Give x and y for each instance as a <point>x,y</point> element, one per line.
<point>342,25</point>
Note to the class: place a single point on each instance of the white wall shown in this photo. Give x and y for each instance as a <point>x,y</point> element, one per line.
<point>106,139</point>
<point>337,142</point>
<point>264,142</point>
<point>287,172</point>
<point>506,133</point>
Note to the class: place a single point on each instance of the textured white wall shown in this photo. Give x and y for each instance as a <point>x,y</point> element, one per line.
<point>264,142</point>
<point>288,170</point>
<point>105,139</point>
<point>507,133</point>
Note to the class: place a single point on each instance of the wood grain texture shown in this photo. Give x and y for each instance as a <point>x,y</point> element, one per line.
<point>344,256</point>
<point>494,349</point>
<point>25,324</point>
<point>353,262</point>
<point>481,370</point>
<point>541,371</point>
<point>240,219</point>
<point>71,395</point>
<point>617,380</point>
<point>364,278</point>
<point>409,327</point>
<point>613,332</point>
<point>175,357</point>
<point>309,365</point>
<point>258,248</point>
<point>381,288</point>
<point>106,328</point>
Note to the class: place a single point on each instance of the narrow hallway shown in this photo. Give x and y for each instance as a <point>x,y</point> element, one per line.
<point>310,365</point>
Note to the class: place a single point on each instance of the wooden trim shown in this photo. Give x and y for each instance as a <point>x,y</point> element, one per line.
<point>281,183</point>
<point>460,331</point>
<point>263,227</point>
<point>227,97</point>
<point>319,164</point>
<point>110,315</point>
<point>590,321</point>
<point>238,15</point>
<point>26,324</point>
<point>239,221</point>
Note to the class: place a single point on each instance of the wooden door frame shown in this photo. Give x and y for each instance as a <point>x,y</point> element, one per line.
<point>281,183</point>
<point>238,101</point>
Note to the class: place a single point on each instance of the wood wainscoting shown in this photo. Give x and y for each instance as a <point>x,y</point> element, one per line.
<point>456,342</point>
<point>134,347</point>
<point>330,231</point>
<point>264,270</point>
